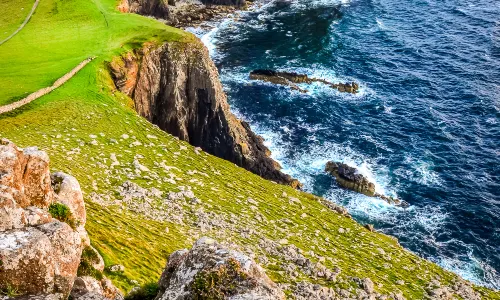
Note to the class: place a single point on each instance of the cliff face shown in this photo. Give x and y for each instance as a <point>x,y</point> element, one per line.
<point>154,8</point>
<point>176,86</point>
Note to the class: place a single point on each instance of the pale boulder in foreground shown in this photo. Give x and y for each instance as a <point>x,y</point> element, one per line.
<point>40,255</point>
<point>210,269</point>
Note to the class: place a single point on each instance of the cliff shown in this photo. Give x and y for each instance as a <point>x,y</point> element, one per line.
<point>176,86</point>
<point>149,194</point>
<point>155,8</point>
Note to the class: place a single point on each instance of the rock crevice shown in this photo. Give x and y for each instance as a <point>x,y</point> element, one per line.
<point>176,86</point>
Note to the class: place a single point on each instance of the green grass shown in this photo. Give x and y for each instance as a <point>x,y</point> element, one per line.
<point>67,121</point>
<point>63,121</point>
<point>62,213</point>
<point>86,268</point>
<point>13,15</point>
<point>61,34</point>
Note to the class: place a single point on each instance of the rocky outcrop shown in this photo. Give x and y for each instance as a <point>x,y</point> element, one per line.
<point>349,178</point>
<point>42,230</point>
<point>193,14</point>
<point>182,13</point>
<point>212,271</point>
<point>291,79</point>
<point>237,3</point>
<point>38,253</point>
<point>176,86</point>
<point>155,8</point>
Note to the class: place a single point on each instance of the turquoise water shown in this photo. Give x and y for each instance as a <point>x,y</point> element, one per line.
<point>424,127</point>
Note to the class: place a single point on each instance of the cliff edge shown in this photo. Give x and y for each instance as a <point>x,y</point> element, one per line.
<point>176,86</point>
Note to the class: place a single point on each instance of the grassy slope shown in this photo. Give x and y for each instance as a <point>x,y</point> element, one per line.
<point>62,124</point>
<point>63,33</point>
<point>13,14</point>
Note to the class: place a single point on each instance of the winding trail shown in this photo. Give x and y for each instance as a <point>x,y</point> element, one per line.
<point>24,23</point>
<point>33,96</point>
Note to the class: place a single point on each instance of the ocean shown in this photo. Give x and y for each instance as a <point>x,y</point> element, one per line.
<point>424,126</point>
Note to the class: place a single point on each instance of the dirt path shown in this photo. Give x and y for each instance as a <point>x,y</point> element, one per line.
<point>24,23</point>
<point>33,96</point>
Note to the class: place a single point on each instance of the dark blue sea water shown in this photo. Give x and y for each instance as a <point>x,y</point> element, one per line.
<point>425,126</point>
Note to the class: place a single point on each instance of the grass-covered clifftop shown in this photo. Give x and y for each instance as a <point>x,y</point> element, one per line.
<point>61,34</point>
<point>147,193</point>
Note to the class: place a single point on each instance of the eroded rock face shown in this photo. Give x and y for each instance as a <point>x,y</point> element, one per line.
<point>177,87</point>
<point>235,275</point>
<point>25,175</point>
<point>39,255</point>
<point>155,8</point>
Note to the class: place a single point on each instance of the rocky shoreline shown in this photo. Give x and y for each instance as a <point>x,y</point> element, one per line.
<point>185,13</point>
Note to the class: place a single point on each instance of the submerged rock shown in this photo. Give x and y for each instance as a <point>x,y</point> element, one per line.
<point>349,178</point>
<point>291,79</point>
<point>211,271</point>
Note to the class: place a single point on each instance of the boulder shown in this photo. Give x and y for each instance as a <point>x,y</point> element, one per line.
<point>41,259</point>
<point>369,227</point>
<point>87,288</point>
<point>39,255</point>
<point>116,269</point>
<point>68,192</point>
<point>25,175</point>
<point>209,270</point>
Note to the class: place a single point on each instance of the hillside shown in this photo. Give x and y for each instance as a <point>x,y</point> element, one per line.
<point>148,194</point>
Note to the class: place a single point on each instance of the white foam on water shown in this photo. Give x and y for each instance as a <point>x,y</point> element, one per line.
<point>305,163</point>
<point>381,25</point>
<point>311,160</point>
<point>472,269</point>
<point>419,171</point>
<point>431,218</point>
<point>491,121</point>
